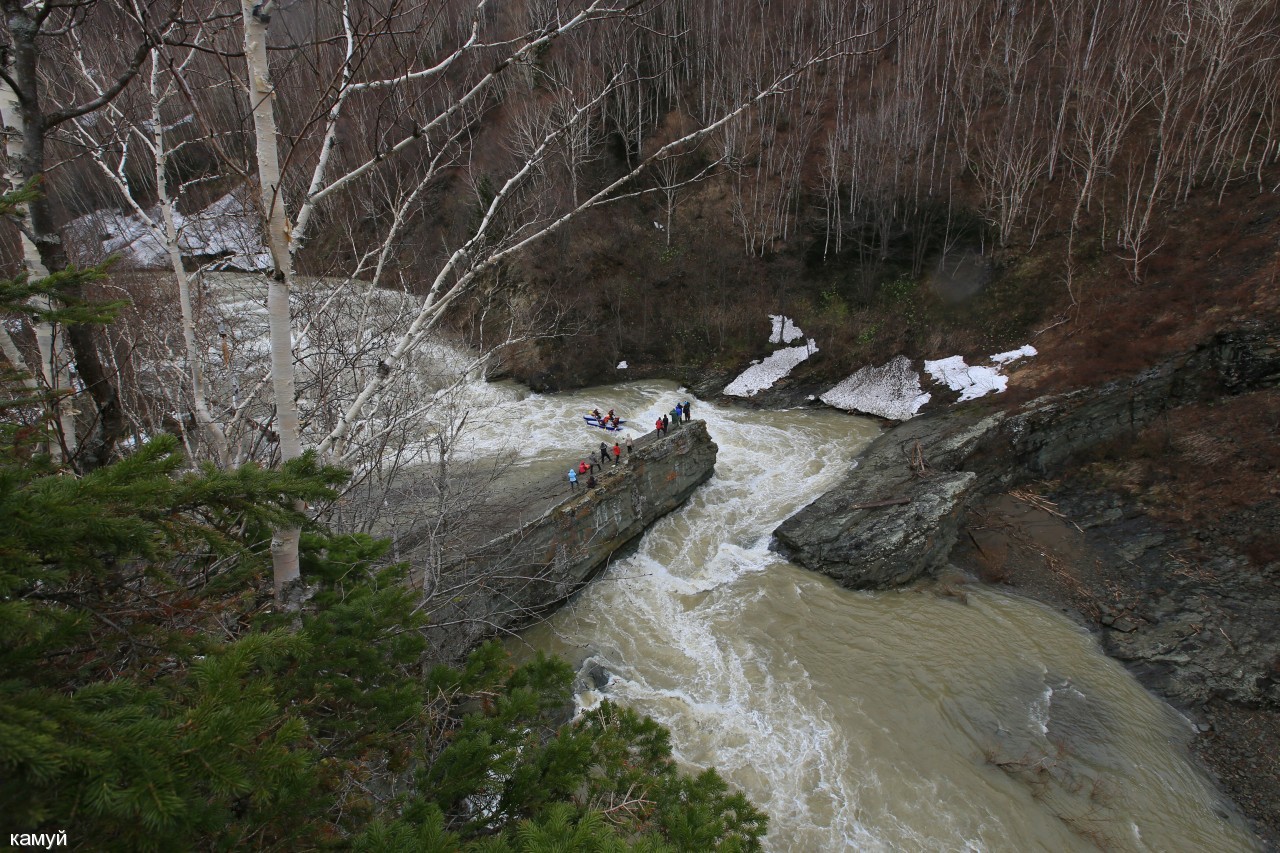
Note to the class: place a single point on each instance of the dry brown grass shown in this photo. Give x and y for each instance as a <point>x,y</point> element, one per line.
<point>1218,266</point>
<point>1204,462</point>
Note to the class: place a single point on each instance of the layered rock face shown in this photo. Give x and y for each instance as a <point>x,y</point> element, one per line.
<point>519,576</point>
<point>894,516</point>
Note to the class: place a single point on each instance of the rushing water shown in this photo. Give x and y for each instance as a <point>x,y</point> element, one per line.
<point>905,720</point>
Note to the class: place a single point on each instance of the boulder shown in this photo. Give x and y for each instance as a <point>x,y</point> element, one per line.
<point>895,516</point>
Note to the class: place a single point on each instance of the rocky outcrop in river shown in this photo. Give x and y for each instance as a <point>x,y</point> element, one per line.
<point>517,577</point>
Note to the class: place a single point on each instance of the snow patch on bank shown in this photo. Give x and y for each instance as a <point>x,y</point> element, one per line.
<point>784,330</point>
<point>973,381</point>
<point>762,375</point>
<point>229,230</point>
<point>891,391</point>
<point>1015,354</point>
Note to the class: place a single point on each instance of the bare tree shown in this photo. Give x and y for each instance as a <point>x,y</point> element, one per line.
<point>510,214</point>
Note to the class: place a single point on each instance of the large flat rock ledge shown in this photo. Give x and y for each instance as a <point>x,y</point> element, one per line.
<point>894,516</point>
<point>518,577</point>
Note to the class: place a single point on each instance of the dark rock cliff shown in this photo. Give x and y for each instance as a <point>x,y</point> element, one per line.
<point>519,576</point>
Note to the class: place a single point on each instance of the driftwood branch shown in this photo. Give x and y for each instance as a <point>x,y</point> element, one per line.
<point>919,465</point>
<point>1043,504</point>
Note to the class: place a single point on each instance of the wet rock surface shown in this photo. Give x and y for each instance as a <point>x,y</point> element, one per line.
<point>1191,617</point>
<point>895,516</point>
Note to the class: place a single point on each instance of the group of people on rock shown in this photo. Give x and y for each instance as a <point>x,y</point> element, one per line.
<point>678,415</point>
<point>585,470</point>
<point>587,467</point>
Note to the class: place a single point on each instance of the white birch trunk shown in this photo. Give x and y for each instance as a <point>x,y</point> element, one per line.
<point>213,431</point>
<point>284,542</point>
<point>52,369</point>
<point>10,120</point>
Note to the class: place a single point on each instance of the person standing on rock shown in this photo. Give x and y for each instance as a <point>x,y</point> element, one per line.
<point>666,424</point>
<point>657,426</point>
<point>617,453</point>
<point>686,411</point>
<point>573,480</point>
<point>604,454</point>
<point>630,447</point>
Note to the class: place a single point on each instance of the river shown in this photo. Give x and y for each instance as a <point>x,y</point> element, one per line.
<point>905,720</point>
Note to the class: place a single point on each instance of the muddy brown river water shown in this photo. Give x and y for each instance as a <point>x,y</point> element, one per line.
<point>905,720</point>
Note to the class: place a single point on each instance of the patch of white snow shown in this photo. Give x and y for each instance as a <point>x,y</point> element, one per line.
<point>784,330</point>
<point>891,391</point>
<point>974,382</point>
<point>622,365</point>
<point>762,375</point>
<point>228,230</point>
<point>1014,355</point>
<point>971,382</point>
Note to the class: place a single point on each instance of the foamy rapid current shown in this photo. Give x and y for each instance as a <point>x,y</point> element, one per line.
<point>905,720</point>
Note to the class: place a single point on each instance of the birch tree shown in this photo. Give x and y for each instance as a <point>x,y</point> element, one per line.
<point>154,135</point>
<point>33,30</point>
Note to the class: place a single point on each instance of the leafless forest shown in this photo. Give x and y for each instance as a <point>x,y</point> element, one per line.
<point>509,173</point>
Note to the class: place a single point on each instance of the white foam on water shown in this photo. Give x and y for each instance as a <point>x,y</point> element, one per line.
<point>729,703</point>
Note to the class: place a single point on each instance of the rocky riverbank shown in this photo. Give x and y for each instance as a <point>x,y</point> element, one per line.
<point>1145,508</point>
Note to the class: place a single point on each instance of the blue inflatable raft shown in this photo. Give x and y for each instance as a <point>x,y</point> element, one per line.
<point>592,420</point>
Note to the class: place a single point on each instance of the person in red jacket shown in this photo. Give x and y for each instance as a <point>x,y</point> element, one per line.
<point>617,453</point>
<point>657,426</point>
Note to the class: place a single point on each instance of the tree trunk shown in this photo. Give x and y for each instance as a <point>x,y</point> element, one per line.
<point>14,122</point>
<point>109,425</point>
<point>213,431</point>
<point>284,541</point>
